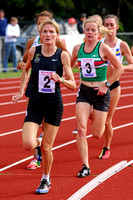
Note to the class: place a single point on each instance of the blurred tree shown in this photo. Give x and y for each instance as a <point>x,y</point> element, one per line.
<point>26,9</point>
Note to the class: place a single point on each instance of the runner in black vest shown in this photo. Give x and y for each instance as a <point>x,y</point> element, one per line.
<point>45,100</point>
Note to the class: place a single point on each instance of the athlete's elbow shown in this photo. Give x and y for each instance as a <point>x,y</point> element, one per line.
<point>122,69</point>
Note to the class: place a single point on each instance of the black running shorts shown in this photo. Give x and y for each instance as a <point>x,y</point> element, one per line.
<point>51,112</point>
<point>89,95</point>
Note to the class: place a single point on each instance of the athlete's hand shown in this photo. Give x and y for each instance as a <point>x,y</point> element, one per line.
<point>56,77</point>
<point>21,65</point>
<point>16,97</point>
<point>102,90</point>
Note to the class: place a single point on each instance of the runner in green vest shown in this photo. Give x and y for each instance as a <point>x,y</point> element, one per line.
<point>92,57</point>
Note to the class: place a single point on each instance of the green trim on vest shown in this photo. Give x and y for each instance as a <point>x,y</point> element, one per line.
<point>94,69</point>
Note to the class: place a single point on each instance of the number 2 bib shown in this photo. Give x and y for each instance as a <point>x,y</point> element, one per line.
<point>45,84</point>
<point>88,68</point>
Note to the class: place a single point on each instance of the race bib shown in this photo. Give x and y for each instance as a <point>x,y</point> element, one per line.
<point>46,85</point>
<point>88,68</point>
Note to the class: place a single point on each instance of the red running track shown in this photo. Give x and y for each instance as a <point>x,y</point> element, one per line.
<point>16,182</point>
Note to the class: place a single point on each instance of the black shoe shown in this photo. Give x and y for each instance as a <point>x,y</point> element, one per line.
<point>38,152</point>
<point>85,171</point>
<point>43,187</point>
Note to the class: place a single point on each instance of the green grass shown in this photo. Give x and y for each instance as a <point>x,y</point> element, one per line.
<point>10,74</point>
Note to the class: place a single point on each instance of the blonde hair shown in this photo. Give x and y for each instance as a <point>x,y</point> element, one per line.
<point>98,18</point>
<point>101,29</point>
<point>51,22</point>
<point>14,19</point>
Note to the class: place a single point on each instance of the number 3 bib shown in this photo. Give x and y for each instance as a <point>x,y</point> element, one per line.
<point>45,84</point>
<point>88,68</point>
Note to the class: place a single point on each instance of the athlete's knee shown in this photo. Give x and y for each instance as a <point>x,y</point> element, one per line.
<point>28,146</point>
<point>97,133</point>
<point>81,131</point>
<point>108,123</point>
<point>46,149</point>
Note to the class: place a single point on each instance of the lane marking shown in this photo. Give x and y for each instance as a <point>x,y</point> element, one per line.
<point>11,94</point>
<point>11,132</point>
<point>57,147</point>
<point>14,87</point>
<point>19,130</point>
<point>10,102</point>
<point>67,104</point>
<point>82,192</point>
<point>23,112</point>
<point>9,82</point>
<point>62,88</point>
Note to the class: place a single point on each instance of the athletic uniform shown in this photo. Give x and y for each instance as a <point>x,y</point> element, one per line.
<point>36,41</point>
<point>92,69</point>
<point>118,54</point>
<point>45,99</point>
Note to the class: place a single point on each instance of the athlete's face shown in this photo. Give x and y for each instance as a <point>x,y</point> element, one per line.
<point>41,19</point>
<point>91,31</point>
<point>48,34</point>
<point>110,23</point>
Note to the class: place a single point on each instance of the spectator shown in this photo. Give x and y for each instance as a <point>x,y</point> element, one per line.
<point>80,22</point>
<point>3,23</point>
<point>71,29</point>
<point>12,32</point>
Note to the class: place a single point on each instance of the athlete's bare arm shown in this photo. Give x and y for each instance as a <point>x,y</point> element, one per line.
<point>22,63</point>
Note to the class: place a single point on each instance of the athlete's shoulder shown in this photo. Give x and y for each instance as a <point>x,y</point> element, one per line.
<point>30,42</point>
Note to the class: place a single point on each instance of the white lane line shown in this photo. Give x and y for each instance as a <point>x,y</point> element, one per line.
<point>9,88</point>
<point>11,132</point>
<point>15,87</point>
<point>62,88</point>
<point>127,81</point>
<point>57,147</point>
<point>126,95</point>
<point>12,114</point>
<point>11,94</point>
<point>19,130</point>
<point>63,95</point>
<point>82,192</point>
<point>67,104</point>
<point>10,82</point>
<point>129,76</point>
<point>122,126</point>
<point>16,163</point>
<point>10,102</point>
<point>21,101</point>
<point>23,112</point>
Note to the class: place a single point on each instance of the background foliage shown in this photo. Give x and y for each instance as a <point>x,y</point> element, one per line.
<point>26,9</point>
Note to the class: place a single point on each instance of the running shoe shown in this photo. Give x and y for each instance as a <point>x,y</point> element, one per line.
<point>85,171</point>
<point>34,164</point>
<point>44,187</point>
<point>75,132</point>
<point>105,153</point>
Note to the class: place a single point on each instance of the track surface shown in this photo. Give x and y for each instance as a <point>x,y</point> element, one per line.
<point>16,182</point>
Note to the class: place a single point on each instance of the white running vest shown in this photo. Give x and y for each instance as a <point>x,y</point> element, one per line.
<point>116,49</point>
<point>36,41</point>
